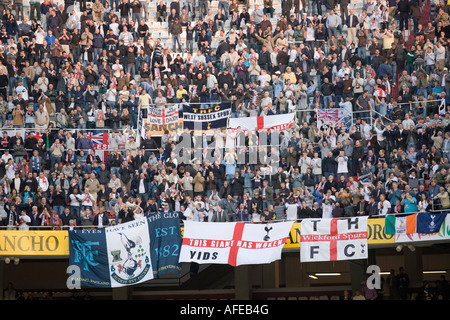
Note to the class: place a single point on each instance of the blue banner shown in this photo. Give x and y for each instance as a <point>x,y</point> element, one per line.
<point>114,256</point>
<point>165,239</point>
<point>206,119</point>
<point>87,250</point>
<point>128,253</point>
<point>429,222</point>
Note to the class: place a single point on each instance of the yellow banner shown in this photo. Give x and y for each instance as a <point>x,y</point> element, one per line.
<point>158,129</point>
<point>375,234</point>
<point>34,243</point>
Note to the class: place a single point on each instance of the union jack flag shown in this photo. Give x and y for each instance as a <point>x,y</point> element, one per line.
<point>101,145</point>
<point>328,114</point>
<point>37,134</point>
<point>333,116</point>
<point>98,139</point>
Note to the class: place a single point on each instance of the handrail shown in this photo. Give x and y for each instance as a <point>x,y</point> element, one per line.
<point>67,227</point>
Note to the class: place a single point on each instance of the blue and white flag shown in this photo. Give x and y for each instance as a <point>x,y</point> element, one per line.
<point>429,222</point>
<point>165,238</point>
<point>206,119</point>
<point>114,256</point>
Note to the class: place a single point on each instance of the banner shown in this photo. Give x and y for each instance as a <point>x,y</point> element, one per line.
<point>33,243</point>
<point>427,222</point>
<point>37,134</point>
<point>376,234</point>
<point>277,122</point>
<point>101,144</point>
<point>162,115</point>
<point>422,222</point>
<point>159,129</point>
<point>206,119</point>
<point>12,132</point>
<point>333,239</point>
<point>400,225</point>
<point>443,233</point>
<point>330,116</point>
<point>165,240</point>
<point>114,256</point>
<point>233,243</point>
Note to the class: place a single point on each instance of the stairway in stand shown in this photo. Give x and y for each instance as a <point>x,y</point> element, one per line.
<point>425,17</point>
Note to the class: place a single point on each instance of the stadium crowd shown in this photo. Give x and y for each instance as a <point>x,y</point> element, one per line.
<point>98,70</point>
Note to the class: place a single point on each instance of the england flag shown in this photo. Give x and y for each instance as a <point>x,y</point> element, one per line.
<point>333,239</point>
<point>233,243</point>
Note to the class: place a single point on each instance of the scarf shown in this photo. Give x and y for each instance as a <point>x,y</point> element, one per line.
<point>36,163</point>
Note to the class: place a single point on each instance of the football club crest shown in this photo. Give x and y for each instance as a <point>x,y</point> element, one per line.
<point>135,264</point>
<point>114,256</point>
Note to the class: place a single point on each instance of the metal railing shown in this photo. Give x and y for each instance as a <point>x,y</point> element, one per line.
<point>68,227</point>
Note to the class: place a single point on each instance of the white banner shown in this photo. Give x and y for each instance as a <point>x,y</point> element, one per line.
<point>162,116</point>
<point>233,243</point>
<point>277,122</point>
<point>128,249</point>
<point>333,239</point>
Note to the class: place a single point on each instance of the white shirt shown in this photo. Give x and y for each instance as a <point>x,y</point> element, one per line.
<point>115,28</point>
<point>291,211</point>
<point>87,200</point>
<point>141,186</point>
<point>100,219</point>
<point>384,207</point>
<point>365,130</point>
<point>23,222</point>
<point>23,91</point>
<point>407,124</point>
<point>74,200</point>
<point>5,157</point>
<point>326,211</point>
<point>342,164</point>
<point>43,183</point>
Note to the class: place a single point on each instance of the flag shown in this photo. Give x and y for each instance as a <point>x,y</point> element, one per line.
<point>162,116</point>
<point>37,134</point>
<point>442,106</point>
<point>141,127</point>
<point>98,139</point>
<point>233,243</point>
<point>400,225</point>
<point>165,242</point>
<point>114,256</point>
<point>206,119</point>
<point>277,122</point>
<point>101,144</point>
<point>333,239</point>
<point>427,222</point>
<point>329,116</point>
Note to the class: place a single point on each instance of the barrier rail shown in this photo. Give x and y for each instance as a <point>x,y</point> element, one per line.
<point>67,227</point>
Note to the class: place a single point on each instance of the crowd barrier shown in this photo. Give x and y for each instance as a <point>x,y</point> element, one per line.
<point>40,243</point>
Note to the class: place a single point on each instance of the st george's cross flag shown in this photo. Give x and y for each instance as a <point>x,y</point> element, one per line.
<point>162,116</point>
<point>333,239</point>
<point>233,243</point>
<point>275,122</point>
